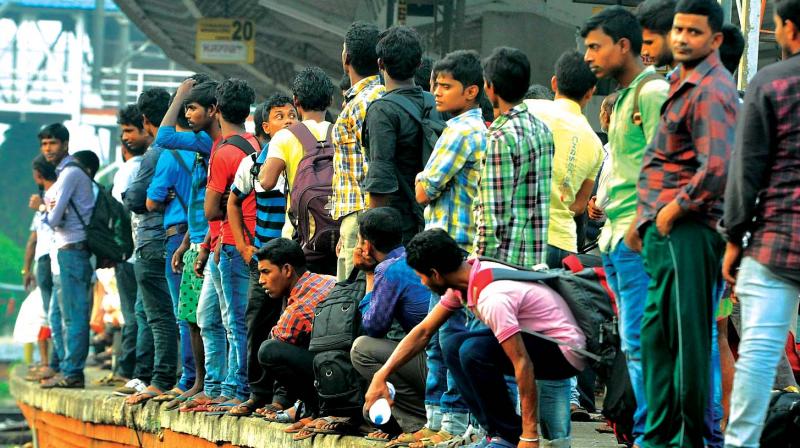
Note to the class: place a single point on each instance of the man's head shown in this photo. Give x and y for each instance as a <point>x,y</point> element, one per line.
<point>181,122</point>
<point>787,26</point>
<point>153,104</point>
<point>280,263</point>
<point>312,90</point>
<point>732,48</point>
<point>506,74</point>
<point>655,17</point>
<point>606,109</point>
<point>379,232</point>
<point>54,142</point>
<point>89,161</point>
<point>344,84</point>
<point>234,97</point>
<point>613,39</point>
<point>434,254</point>
<point>425,76</point>
<point>696,31</point>
<point>574,79</point>
<point>43,171</point>
<point>459,81</point>
<point>399,52</point>
<point>278,113</point>
<point>358,51</point>
<point>133,135</point>
<point>539,92</point>
<point>201,106</point>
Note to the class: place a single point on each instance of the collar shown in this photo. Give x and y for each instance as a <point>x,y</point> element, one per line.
<point>397,252</point>
<point>475,113</point>
<point>646,72</point>
<point>63,164</point>
<point>298,286</point>
<point>360,86</point>
<point>711,62</point>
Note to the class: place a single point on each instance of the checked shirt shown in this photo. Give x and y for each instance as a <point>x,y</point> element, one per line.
<point>294,325</point>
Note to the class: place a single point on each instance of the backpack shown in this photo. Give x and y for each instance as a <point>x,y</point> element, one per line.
<point>782,425</point>
<point>109,234</point>
<point>337,323</point>
<point>310,193</point>
<point>636,116</point>
<point>587,295</point>
<point>619,404</point>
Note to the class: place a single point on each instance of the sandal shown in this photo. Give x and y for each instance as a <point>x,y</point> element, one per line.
<point>175,403</point>
<point>194,403</point>
<point>407,437</point>
<point>283,417</point>
<point>244,409</point>
<point>63,382</point>
<point>168,395</point>
<point>143,396</point>
<point>379,436</point>
<point>432,441</point>
<point>269,410</point>
<point>334,425</point>
<point>223,408</point>
<point>299,425</point>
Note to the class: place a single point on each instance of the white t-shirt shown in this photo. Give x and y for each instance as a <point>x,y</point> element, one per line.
<point>44,236</point>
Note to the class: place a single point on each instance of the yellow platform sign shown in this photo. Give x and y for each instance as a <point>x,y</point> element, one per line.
<point>225,41</point>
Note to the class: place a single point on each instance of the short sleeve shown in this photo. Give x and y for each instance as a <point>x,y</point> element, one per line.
<point>451,300</point>
<point>163,178</point>
<point>243,180</point>
<point>499,312</point>
<point>278,145</point>
<point>222,167</point>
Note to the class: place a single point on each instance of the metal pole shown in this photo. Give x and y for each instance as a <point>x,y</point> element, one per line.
<point>124,43</point>
<point>727,7</point>
<point>750,18</point>
<point>98,39</point>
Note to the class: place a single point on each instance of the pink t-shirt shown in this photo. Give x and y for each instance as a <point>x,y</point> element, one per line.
<point>507,307</point>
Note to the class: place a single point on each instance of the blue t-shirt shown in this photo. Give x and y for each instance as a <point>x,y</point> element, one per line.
<point>270,205</point>
<point>171,174</point>
<point>198,224</point>
<point>168,137</point>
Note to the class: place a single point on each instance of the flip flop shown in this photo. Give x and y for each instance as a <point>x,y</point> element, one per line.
<point>194,403</point>
<point>244,409</point>
<point>175,403</point>
<point>143,396</point>
<point>334,425</point>
<point>168,395</point>
<point>227,405</point>
<point>281,417</point>
<point>374,436</point>
<point>298,426</point>
<point>271,408</point>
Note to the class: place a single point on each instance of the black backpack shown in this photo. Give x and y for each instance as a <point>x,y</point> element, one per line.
<point>337,323</point>
<point>782,425</point>
<point>619,404</point>
<point>109,234</point>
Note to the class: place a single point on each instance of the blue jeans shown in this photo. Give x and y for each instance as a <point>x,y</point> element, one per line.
<point>56,327</point>
<point>174,282</point>
<point>235,275</point>
<point>444,406</point>
<point>145,348</point>
<point>769,304</point>
<point>75,305</point>
<point>212,330</point>
<point>126,286</point>
<point>46,281</point>
<point>628,280</point>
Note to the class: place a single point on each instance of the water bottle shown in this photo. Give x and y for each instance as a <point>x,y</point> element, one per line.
<point>380,412</point>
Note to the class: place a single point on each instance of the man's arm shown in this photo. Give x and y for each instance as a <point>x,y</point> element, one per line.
<point>162,181</point>
<point>377,321</point>
<point>381,179</point>
<point>582,197</point>
<point>270,172</point>
<point>514,347</point>
<point>28,279</point>
<point>168,137</point>
<point>451,154</point>
<point>64,188</point>
<point>414,342</point>
<point>236,221</point>
<point>135,196</point>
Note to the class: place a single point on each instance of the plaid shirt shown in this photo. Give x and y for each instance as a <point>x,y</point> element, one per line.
<point>294,325</point>
<point>349,165</point>
<point>687,161</point>
<point>450,178</point>
<point>513,204</point>
<point>762,196</point>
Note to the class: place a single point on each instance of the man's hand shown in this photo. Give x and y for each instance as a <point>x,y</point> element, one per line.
<point>377,390</point>
<point>632,238</point>
<point>186,86</point>
<point>339,246</point>
<point>177,258</point>
<point>522,444</point>
<point>218,250</point>
<point>363,261</point>
<point>29,281</point>
<point>247,253</point>
<point>200,262</point>
<point>667,216</point>
<point>730,263</point>
<point>34,202</point>
<point>595,213</point>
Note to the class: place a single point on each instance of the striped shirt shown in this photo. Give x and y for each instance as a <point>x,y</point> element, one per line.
<point>270,205</point>
<point>349,164</point>
<point>450,178</point>
<point>513,206</point>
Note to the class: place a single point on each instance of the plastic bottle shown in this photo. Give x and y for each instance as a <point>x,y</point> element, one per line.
<point>380,412</point>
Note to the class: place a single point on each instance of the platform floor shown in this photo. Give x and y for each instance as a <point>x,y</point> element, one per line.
<point>94,418</point>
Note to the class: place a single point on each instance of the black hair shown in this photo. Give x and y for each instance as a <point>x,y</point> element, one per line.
<point>359,43</point>
<point>44,168</point>
<point>275,100</point>
<point>313,89</point>
<point>464,66</point>
<point>732,48</point>
<point>509,72</point>
<point>609,102</point>
<point>153,104</point>
<point>344,83</point>
<point>181,120</point>
<point>539,92</point>
<point>434,249</point>
<point>234,97</point>
<point>89,160</point>
<point>200,78</point>
<point>422,76</point>
<point>130,115</point>
<point>258,120</point>
<point>487,110</point>
<point>204,94</point>
<point>789,10</point>
<point>400,48</point>
<point>618,23</point>
<point>709,8</point>
<point>573,75</point>
<point>281,251</point>
<point>55,131</point>
<point>382,227</point>
<point>656,15</point>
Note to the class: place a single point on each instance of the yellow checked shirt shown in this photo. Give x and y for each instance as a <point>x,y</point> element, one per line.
<point>578,157</point>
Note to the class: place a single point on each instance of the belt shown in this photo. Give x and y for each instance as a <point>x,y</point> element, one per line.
<point>176,229</point>
<point>80,245</point>
<point>195,246</point>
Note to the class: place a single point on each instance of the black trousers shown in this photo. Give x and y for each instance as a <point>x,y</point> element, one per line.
<point>293,367</point>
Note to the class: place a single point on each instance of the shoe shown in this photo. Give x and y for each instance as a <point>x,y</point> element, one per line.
<point>133,386</point>
<point>579,414</point>
<point>111,380</point>
<point>63,382</point>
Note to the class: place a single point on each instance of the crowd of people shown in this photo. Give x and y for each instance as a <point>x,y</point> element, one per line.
<point>435,174</point>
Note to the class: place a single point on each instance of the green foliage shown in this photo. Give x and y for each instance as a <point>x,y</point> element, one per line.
<point>11,257</point>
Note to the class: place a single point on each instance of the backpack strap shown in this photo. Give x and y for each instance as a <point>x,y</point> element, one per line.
<point>183,165</point>
<point>407,105</point>
<point>306,138</point>
<point>241,143</point>
<point>636,116</point>
<point>82,169</point>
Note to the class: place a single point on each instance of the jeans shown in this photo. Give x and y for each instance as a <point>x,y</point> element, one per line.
<point>157,305</point>
<point>126,286</point>
<point>212,330</point>
<point>769,305</point>
<point>555,257</point>
<point>234,273</point>
<point>145,349</point>
<point>46,281</point>
<point>479,365</point>
<point>444,406</point>
<point>75,306</point>
<point>262,314</point>
<point>628,280</point>
<point>174,282</point>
